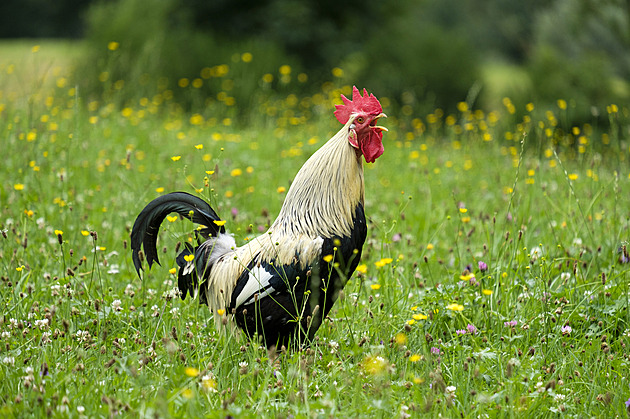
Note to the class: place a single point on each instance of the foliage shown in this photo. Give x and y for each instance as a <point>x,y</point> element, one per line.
<point>165,54</point>
<point>495,280</point>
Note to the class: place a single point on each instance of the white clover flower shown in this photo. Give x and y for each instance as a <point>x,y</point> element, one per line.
<point>117,305</point>
<point>113,269</point>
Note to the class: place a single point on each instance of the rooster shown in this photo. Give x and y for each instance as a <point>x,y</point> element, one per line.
<point>281,285</point>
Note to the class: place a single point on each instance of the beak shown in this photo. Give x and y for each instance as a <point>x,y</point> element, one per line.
<point>378,127</point>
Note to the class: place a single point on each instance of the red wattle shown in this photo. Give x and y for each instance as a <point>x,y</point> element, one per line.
<point>372,146</point>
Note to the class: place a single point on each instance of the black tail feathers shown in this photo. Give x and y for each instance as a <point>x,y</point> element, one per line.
<point>187,278</point>
<point>147,225</point>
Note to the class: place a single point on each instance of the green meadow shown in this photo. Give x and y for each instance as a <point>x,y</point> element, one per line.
<point>494,281</point>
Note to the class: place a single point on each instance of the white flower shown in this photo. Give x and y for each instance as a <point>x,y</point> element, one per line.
<point>80,409</point>
<point>42,324</point>
<point>129,290</point>
<point>117,305</point>
<point>171,294</point>
<point>113,269</point>
<point>451,389</point>
<point>82,335</point>
<point>243,364</point>
<point>8,360</point>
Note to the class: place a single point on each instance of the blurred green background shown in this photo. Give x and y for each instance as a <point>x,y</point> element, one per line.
<point>422,55</point>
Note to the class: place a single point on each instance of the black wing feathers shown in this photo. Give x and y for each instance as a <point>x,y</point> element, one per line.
<point>147,225</point>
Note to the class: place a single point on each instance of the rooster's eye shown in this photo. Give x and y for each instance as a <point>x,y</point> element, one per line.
<point>360,120</point>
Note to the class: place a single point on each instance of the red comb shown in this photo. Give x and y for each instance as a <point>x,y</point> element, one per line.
<point>367,103</point>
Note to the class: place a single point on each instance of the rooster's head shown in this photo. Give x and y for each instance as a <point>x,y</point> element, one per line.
<point>364,134</point>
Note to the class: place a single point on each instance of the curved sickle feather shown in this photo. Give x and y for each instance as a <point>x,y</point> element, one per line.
<point>147,225</point>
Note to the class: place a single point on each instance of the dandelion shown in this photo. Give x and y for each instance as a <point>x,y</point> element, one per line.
<point>236,172</point>
<point>113,46</point>
<point>328,258</point>
<point>199,146</point>
<point>573,176</point>
<point>562,104</point>
<point>383,262</point>
<point>176,158</point>
<point>337,72</point>
<point>208,383</point>
<point>463,210</point>
<point>455,307</point>
<point>189,258</point>
<point>197,119</point>
<point>219,222</point>
<point>172,271</point>
<point>415,358</point>
<point>375,365</point>
<point>191,371</point>
<point>467,276</point>
<point>281,189</point>
<point>171,218</point>
<point>18,186</point>
<point>430,246</point>
<point>375,286</point>
<point>486,292</point>
<point>362,269</point>
<point>419,316</point>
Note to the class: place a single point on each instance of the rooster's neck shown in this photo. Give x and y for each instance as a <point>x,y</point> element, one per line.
<point>325,192</point>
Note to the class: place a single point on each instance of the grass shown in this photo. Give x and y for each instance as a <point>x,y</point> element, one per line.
<point>494,281</point>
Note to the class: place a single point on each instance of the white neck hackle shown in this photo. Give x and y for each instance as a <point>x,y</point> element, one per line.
<point>325,192</point>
